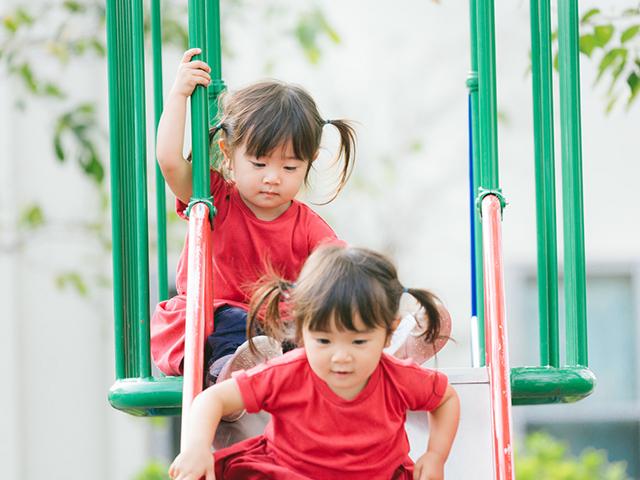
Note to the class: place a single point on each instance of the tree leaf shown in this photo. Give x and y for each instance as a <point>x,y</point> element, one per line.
<point>74,7</point>
<point>608,60</point>
<point>57,147</point>
<point>603,34</point>
<point>633,81</point>
<point>589,13</point>
<point>587,44</point>
<point>74,280</point>
<point>32,216</point>
<point>10,23</point>
<point>629,33</point>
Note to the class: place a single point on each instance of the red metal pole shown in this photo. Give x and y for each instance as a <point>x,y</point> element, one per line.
<point>496,338</point>
<point>199,306</point>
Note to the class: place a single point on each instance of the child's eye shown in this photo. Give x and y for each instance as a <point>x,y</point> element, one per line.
<point>290,169</point>
<point>360,342</point>
<point>323,341</point>
<point>258,164</point>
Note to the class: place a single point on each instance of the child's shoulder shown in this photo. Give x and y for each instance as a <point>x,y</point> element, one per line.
<point>408,366</point>
<point>291,360</point>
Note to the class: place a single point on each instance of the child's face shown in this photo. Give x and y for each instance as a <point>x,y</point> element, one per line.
<point>345,359</point>
<point>267,184</point>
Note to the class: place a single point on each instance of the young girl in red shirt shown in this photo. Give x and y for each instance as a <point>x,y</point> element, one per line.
<point>338,405</point>
<point>269,137</point>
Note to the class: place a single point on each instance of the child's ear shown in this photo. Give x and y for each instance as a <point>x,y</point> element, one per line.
<point>226,154</point>
<point>223,148</point>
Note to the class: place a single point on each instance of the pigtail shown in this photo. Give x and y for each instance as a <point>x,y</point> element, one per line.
<point>433,313</point>
<point>212,134</point>
<point>264,309</point>
<point>347,152</point>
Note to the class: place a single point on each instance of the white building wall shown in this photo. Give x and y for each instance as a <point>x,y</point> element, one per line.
<point>400,73</point>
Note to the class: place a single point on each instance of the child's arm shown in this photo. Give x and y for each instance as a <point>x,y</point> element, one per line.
<point>195,459</point>
<point>443,424</point>
<point>169,144</point>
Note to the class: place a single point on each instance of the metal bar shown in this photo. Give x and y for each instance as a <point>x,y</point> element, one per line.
<point>161,197</point>
<point>142,229</point>
<point>127,213</point>
<point>122,156</point>
<point>199,309</point>
<point>115,143</point>
<point>476,165</point>
<point>538,385</point>
<point>214,58</point>
<point>199,108</point>
<point>497,338</point>
<point>542,86</point>
<point>574,256</point>
<point>488,131</point>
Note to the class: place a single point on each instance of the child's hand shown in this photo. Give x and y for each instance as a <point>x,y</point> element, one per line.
<point>190,74</point>
<point>193,464</point>
<point>429,466</point>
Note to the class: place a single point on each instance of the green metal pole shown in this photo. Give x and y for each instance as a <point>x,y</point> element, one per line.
<point>113,50</point>
<point>488,133</point>
<point>120,49</point>
<point>574,255</point>
<point>214,58</point>
<point>161,198</point>
<point>142,232</point>
<point>199,110</point>
<point>472,84</point>
<point>541,67</point>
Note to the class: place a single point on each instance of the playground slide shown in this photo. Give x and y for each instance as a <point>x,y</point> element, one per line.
<point>471,456</point>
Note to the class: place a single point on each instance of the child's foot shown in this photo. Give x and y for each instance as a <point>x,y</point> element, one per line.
<point>244,358</point>
<point>213,372</point>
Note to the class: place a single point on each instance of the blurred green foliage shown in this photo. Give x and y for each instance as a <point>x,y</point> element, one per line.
<point>153,471</point>
<point>613,41</point>
<point>545,458</point>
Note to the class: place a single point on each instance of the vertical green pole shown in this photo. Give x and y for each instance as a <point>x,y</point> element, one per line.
<point>472,84</point>
<point>574,255</point>
<point>122,153</point>
<point>199,109</point>
<point>113,55</point>
<point>488,133</point>
<point>214,56</point>
<point>545,181</point>
<point>142,233</point>
<point>161,199</point>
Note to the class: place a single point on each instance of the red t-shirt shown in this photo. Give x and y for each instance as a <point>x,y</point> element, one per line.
<point>243,247</point>
<point>318,434</point>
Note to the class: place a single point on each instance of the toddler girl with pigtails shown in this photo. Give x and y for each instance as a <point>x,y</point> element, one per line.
<point>338,404</point>
<point>269,137</point>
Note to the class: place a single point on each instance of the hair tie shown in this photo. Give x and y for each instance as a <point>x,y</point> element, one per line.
<point>328,122</point>
<point>405,290</point>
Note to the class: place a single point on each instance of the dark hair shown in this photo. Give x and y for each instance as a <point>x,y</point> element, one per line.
<point>336,284</point>
<point>268,114</point>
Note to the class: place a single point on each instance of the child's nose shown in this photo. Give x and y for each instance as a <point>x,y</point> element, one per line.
<point>271,176</point>
<point>341,355</point>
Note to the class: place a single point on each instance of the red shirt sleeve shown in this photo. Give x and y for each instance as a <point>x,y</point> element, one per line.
<point>261,385</point>
<point>217,184</point>
<point>420,388</point>
<point>319,232</point>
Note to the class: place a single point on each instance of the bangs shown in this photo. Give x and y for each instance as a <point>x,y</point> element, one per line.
<point>277,123</point>
<point>350,301</point>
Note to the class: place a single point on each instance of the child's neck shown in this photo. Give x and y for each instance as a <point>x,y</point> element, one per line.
<point>266,214</point>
